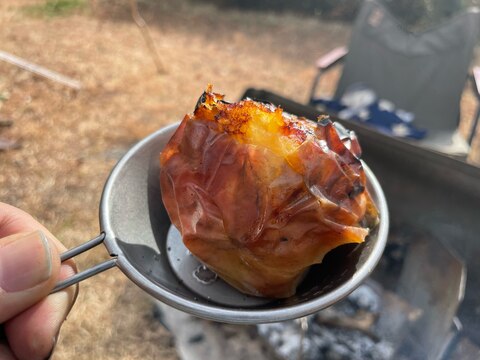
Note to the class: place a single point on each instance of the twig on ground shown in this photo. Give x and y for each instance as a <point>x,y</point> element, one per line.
<point>5,123</point>
<point>142,25</point>
<point>7,144</point>
<point>39,70</point>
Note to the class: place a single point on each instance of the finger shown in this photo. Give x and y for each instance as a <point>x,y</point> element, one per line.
<point>33,333</point>
<point>5,353</point>
<point>14,221</point>
<point>29,269</point>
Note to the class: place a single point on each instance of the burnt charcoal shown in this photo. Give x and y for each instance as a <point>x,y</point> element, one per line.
<point>196,338</point>
<point>359,311</point>
<point>342,331</point>
<point>338,352</point>
<point>365,298</point>
<point>283,338</point>
<point>322,342</point>
<point>383,350</point>
<point>350,344</point>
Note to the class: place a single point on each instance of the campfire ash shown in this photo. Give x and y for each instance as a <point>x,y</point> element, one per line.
<point>351,329</point>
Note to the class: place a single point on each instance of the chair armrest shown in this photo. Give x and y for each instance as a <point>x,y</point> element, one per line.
<point>476,89</point>
<point>332,58</point>
<point>324,63</point>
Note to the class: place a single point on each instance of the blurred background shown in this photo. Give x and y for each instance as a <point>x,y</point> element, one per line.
<point>63,142</point>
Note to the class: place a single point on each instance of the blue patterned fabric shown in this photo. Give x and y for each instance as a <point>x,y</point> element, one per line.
<point>359,103</point>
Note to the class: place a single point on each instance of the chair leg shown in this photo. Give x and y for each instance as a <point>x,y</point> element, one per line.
<point>473,129</point>
<point>314,87</point>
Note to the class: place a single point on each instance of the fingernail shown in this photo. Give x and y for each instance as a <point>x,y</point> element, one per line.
<point>25,262</point>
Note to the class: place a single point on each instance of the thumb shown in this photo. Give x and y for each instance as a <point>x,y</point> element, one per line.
<point>29,267</point>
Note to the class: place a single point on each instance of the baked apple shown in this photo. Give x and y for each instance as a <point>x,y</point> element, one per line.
<point>259,195</point>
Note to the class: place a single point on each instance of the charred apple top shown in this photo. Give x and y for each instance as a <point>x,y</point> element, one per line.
<point>259,195</point>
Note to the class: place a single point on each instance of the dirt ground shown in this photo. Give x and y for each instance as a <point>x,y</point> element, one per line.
<point>70,140</point>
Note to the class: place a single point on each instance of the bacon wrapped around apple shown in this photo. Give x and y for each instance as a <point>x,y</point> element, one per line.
<point>260,195</point>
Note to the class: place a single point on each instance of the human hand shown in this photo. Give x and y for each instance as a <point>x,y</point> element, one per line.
<point>30,318</point>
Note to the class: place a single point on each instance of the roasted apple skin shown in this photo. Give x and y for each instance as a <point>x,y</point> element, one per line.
<point>260,195</point>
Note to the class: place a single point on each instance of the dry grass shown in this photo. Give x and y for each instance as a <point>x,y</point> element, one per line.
<point>70,141</point>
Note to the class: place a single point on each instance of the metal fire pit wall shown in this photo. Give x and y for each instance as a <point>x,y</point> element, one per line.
<point>425,190</point>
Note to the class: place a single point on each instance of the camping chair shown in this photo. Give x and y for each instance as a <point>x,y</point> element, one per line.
<point>423,73</point>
